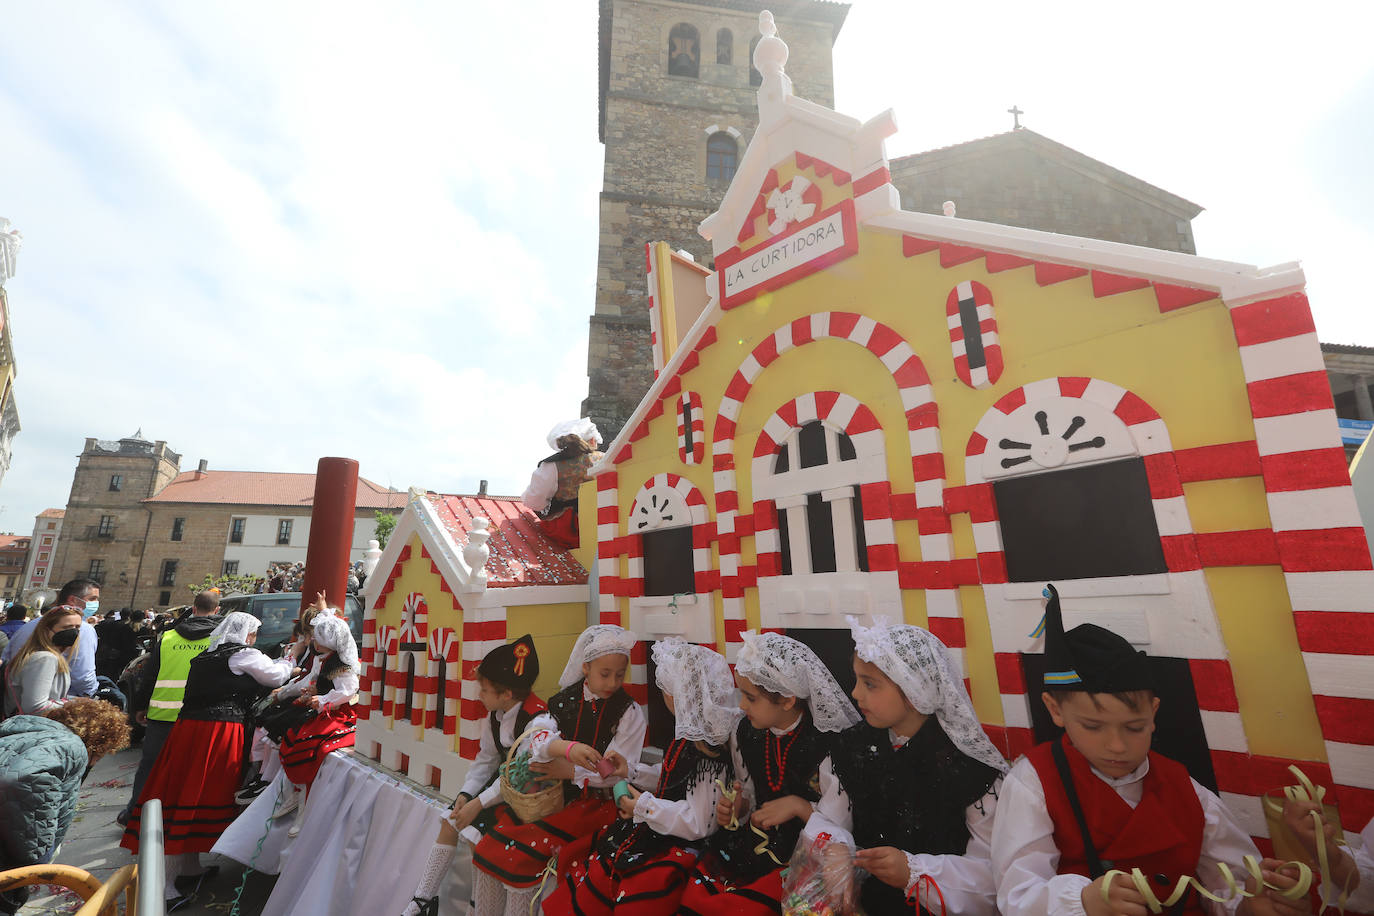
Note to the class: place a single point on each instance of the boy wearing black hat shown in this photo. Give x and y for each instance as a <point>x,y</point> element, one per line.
<point>505,678</point>
<point>1099,799</point>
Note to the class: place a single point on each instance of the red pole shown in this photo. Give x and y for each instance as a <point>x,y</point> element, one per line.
<point>331,531</point>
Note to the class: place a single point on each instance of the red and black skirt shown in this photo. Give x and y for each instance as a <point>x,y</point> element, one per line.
<point>651,888</point>
<point>305,746</point>
<point>711,891</point>
<point>516,854</point>
<point>196,775</point>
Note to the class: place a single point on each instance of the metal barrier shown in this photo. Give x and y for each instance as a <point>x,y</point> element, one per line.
<point>151,865</point>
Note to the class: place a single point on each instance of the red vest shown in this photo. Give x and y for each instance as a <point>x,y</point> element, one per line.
<point>1162,836</point>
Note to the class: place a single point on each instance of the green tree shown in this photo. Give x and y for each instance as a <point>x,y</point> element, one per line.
<point>386,523</point>
<point>227,585</point>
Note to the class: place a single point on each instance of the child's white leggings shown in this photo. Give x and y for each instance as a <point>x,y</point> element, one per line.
<point>492,898</point>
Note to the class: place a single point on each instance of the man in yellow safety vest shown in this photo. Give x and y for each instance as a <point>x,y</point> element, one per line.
<point>158,701</point>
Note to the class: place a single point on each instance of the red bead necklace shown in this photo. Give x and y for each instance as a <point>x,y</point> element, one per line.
<point>596,732</point>
<point>775,751</point>
<point>669,762</point>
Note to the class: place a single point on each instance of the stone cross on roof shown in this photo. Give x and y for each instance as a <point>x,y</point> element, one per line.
<point>1016,114</point>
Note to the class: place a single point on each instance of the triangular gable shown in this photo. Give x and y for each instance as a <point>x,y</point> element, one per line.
<point>419,518</point>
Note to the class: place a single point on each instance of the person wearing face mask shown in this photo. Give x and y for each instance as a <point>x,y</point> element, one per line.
<point>37,678</point>
<point>83,597</point>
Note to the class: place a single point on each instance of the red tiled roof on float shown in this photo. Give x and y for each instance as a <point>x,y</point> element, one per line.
<point>520,553</point>
<point>264,488</point>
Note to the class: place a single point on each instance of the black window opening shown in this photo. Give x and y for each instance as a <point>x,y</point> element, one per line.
<point>668,567</point>
<point>116,482</point>
<point>440,686</point>
<point>688,437</point>
<point>236,531</point>
<point>231,567</point>
<point>410,684</point>
<point>820,530</point>
<point>284,531</point>
<point>684,51</point>
<point>1178,725</point>
<point>169,573</point>
<point>1079,523</point>
<point>96,571</point>
<point>178,528</point>
<point>164,598</point>
<point>725,47</point>
<point>722,156</point>
<point>106,528</point>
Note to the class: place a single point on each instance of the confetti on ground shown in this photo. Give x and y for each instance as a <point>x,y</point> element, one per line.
<point>113,783</point>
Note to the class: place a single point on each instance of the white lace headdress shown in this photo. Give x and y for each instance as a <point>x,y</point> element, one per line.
<point>705,707</point>
<point>236,627</point>
<point>597,640</point>
<point>583,427</point>
<point>919,665</point>
<point>333,633</point>
<point>782,665</point>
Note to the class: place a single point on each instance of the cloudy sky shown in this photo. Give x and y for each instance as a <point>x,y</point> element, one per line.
<point>267,232</point>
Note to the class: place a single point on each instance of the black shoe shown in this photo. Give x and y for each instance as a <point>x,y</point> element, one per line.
<point>249,792</point>
<point>122,818</point>
<point>190,885</point>
<point>428,907</point>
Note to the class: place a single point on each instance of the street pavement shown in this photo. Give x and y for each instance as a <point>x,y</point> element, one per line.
<point>92,844</point>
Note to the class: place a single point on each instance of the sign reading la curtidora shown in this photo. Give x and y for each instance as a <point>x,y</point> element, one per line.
<point>826,239</point>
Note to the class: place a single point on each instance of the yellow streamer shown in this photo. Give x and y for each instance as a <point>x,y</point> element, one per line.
<point>762,847</point>
<point>1307,791</point>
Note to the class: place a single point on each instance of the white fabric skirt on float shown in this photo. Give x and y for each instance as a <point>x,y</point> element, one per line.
<point>362,846</point>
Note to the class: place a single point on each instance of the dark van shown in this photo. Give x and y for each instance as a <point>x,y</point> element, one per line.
<point>279,610</point>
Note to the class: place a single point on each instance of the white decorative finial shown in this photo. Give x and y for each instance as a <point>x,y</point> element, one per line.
<point>948,207</point>
<point>476,552</point>
<point>10,242</point>
<point>371,557</point>
<point>770,56</point>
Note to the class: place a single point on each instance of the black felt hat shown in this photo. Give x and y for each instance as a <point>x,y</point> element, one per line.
<point>1088,657</point>
<point>514,665</point>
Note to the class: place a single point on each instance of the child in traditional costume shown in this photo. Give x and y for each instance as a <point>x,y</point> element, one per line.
<point>641,863</point>
<point>793,707</point>
<point>505,679</point>
<point>912,788</point>
<point>592,717</point>
<point>1098,798</point>
<point>200,765</point>
<point>328,693</point>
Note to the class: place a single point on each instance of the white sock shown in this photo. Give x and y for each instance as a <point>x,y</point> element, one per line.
<point>518,900</point>
<point>440,855</point>
<point>489,895</point>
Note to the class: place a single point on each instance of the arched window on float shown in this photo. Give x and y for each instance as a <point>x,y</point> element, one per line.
<point>684,51</point>
<point>815,486</point>
<point>722,156</point>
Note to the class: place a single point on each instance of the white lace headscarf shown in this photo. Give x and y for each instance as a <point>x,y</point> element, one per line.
<point>582,427</point>
<point>333,633</point>
<point>782,665</point>
<point>705,706</point>
<point>919,665</point>
<point>597,640</point>
<point>236,627</point>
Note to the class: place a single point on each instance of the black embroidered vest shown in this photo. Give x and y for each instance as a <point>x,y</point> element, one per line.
<point>588,721</point>
<point>531,707</point>
<point>625,845</point>
<point>214,693</point>
<point>913,797</point>
<point>793,763</point>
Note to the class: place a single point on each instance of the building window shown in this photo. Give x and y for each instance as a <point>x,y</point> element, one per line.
<point>284,531</point>
<point>1079,523</point>
<point>668,562</point>
<point>169,573</point>
<point>684,50</point>
<point>236,530</point>
<point>231,567</point>
<point>755,77</point>
<point>96,571</point>
<point>820,522</point>
<point>178,528</point>
<point>52,525</point>
<point>106,527</point>
<point>116,482</point>
<point>43,555</point>
<point>47,540</point>
<point>164,598</point>
<point>9,582</point>
<point>722,156</point>
<point>725,47</point>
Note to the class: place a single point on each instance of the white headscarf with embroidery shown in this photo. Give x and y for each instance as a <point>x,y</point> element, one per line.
<point>918,663</point>
<point>782,665</point>
<point>705,706</point>
<point>597,640</point>
<point>333,633</point>
<point>236,627</point>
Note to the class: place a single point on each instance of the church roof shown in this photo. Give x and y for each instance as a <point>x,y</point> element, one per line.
<point>1023,138</point>
<point>811,10</point>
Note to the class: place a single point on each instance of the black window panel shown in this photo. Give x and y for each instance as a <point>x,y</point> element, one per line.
<point>410,685</point>
<point>1079,523</point>
<point>116,482</point>
<point>820,525</point>
<point>106,526</point>
<point>284,531</point>
<point>164,598</point>
<point>178,528</point>
<point>846,448</point>
<point>687,427</point>
<point>835,649</point>
<point>859,534</point>
<point>784,543</point>
<point>780,466</point>
<point>725,47</point>
<point>1178,724</point>
<point>169,573</point>
<point>661,725</point>
<point>668,566</point>
<point>811,445</point>
<point>96,571</point>
<point>439,691</point>
<point>236,531</point>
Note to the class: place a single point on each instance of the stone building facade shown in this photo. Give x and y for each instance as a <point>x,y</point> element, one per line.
<point>1021,178</point>
<point>14,553</point>
<point>106,523</point>
<point>47,529</point>
<point>675,79</point>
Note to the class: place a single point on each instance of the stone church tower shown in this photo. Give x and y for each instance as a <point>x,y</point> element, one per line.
<point>678,106</point>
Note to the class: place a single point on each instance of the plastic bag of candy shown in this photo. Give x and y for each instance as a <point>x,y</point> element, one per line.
<point>819,880</point>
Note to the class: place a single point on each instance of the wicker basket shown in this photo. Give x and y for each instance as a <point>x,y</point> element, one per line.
<point>534,805</point>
